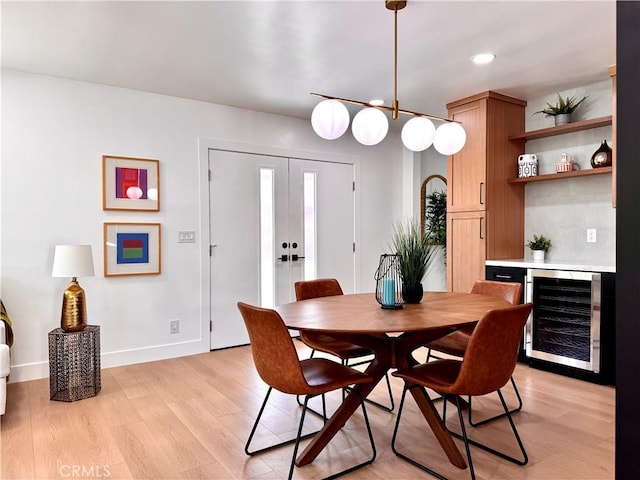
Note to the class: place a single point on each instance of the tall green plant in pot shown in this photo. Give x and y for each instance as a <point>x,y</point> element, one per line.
<point>414,255</point>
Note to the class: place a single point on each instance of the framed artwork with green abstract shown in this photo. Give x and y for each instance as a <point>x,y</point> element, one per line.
<point>131,249</point>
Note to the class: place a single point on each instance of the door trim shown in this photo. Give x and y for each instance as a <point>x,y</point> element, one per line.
<point>206,144</point>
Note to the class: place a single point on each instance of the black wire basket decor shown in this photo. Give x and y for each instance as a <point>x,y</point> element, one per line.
<point>389,282</point>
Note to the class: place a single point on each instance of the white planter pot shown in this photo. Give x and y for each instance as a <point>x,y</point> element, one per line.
<point>538,255</point>
<point>562,119</point>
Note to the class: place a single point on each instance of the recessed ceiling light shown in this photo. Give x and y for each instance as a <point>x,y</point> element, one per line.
<point>483,58</point>
<point>376,102</point>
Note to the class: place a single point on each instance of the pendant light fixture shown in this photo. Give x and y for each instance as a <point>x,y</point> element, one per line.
<point>330,118</point>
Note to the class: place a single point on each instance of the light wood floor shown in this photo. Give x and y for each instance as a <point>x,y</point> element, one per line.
<point>188,418</point>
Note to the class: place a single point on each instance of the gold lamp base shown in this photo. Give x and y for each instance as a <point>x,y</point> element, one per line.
<point>74,308</point>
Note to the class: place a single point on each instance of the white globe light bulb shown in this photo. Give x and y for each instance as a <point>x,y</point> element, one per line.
<point>370,126</point>
<point>330,119</point>
<point>449,139</point>
<point>417,134</point>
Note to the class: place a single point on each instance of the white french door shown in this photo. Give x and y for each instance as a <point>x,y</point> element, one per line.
<point>274,221</point>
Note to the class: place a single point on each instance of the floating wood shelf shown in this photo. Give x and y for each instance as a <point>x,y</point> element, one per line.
<point>561,129</point>
<point>558,176</point>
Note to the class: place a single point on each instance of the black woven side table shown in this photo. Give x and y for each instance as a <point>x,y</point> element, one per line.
<point>74,364</point>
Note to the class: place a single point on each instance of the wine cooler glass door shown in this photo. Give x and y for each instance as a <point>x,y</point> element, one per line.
<point>564,326</point>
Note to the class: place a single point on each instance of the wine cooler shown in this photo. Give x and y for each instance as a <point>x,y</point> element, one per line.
<point>566,325</point>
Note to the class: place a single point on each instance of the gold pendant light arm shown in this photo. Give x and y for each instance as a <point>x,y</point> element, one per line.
<point>331,119</point>
<point>382,107</point>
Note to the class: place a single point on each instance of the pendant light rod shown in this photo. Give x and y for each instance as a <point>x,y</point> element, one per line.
<point>395,105</point>
<point>383,107</point>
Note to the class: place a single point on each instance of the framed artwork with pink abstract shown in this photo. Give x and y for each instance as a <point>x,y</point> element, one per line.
<point>130,184</point>
<point>131,249</point>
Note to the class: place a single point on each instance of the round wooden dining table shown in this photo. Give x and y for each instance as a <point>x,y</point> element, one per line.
<point>392,335</point>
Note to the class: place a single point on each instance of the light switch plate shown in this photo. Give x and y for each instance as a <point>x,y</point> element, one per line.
<point>591,235</point>
<point>186,236</point>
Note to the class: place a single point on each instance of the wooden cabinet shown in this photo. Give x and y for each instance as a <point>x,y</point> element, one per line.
<point>485,213</point>
<point>466,249</point>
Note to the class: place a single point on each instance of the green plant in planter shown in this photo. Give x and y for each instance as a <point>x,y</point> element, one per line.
<point>539,243</point>
<point>435,218</point>
<point>562,106</point>
<point>415,253</point>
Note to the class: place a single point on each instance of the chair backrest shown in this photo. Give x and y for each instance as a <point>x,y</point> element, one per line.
<point>322,287</point>
<point>509,291</point>
<point>274,354</point>
<point>492,351</point>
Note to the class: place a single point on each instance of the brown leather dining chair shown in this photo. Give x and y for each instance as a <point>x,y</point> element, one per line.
<point>276,360</point>
<point>456,342</point>
<point>489,360</point>
<point>345,351</point>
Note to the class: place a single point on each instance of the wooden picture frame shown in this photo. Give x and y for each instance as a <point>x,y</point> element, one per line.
<point>131,249</point>
<point>130,183</point>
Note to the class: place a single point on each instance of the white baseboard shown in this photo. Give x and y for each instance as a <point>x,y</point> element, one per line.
<point>36,371</point>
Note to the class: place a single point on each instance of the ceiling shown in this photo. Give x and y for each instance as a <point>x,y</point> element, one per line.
<point>269,55</point>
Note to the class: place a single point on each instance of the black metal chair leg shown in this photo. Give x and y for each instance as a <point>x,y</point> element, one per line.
<point>324,409</point>
<point>465,439</point>
<point>500,415</point>
<point>299,435</point>
<point>373,444</point>
<point>406,458</point>
<point>313,350</point>
<point>255,426</point>
<point>392,404</point>
<point>324,416</point>
<point>345,362</point>
<point>525,457</point>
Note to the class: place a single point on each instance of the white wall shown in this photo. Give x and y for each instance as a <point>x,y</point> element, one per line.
<point>54,133</point>
<point>563,209</point>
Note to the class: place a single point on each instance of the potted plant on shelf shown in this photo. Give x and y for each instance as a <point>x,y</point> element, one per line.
<point>415,253</point>
<point>562,110</point>
<point>539,246</point>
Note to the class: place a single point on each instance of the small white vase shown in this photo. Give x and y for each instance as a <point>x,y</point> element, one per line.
<point>538,255</point>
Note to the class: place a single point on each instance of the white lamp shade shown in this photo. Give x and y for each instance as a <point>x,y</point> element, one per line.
<point>370,126</point>
<point>449,139</point>
<point>417,134</point>
<point>73,261</point>
<point>330,119</point>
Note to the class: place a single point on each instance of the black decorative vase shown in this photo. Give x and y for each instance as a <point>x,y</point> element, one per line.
<point>602,157</point>
<point>412,293</point>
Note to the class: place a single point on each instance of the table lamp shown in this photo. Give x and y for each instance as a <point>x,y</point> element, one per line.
<point>73,261</point>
